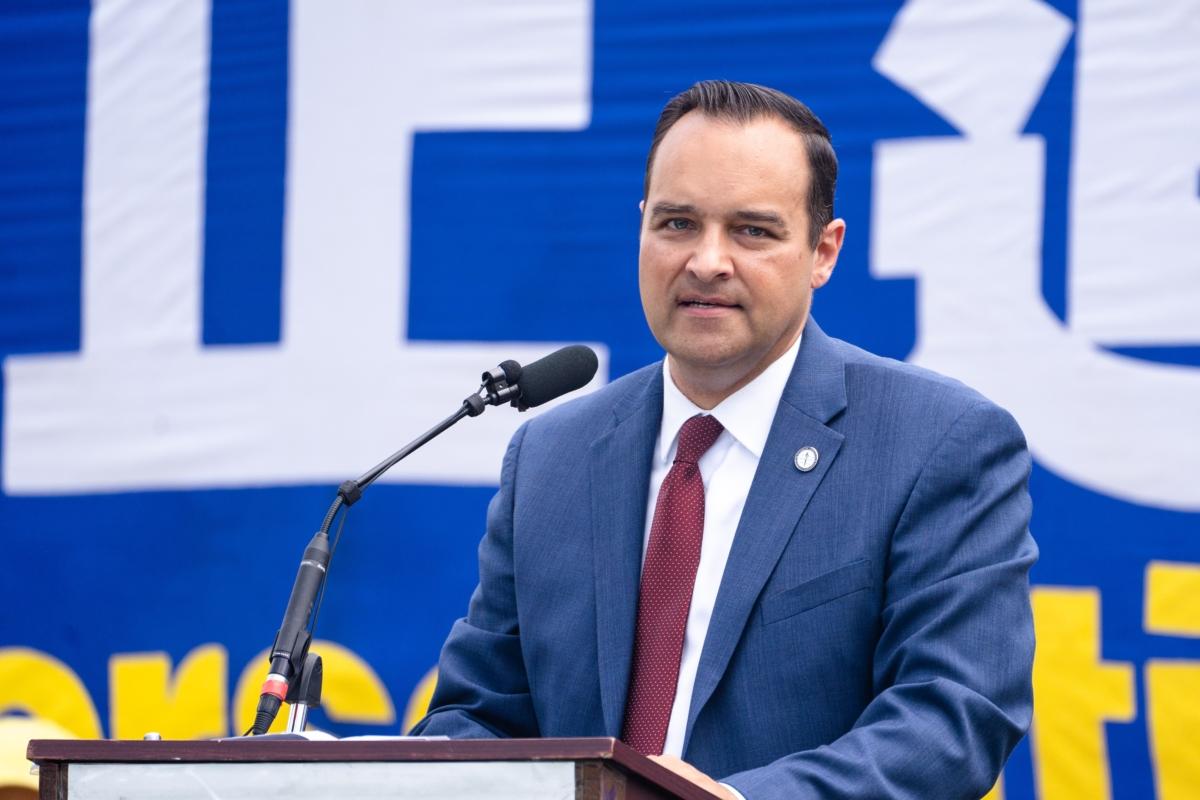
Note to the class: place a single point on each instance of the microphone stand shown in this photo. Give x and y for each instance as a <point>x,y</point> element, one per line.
<point>295,675</point>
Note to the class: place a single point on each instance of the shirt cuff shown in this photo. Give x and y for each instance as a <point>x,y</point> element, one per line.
<point>736,793</point>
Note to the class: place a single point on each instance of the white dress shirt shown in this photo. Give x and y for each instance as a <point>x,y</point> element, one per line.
<point>727,470</point>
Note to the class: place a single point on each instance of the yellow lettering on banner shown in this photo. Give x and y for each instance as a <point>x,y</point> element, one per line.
<point>1172,599</point>
<point>1075,693</point>
<point>144,696</point>
<point>350,692</point>
<point>418,701</point>
<point>42,686</point>
<point>1172,688</point>
<point>1172,608</point>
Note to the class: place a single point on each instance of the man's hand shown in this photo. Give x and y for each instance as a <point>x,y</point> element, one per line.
<point>686,770</point>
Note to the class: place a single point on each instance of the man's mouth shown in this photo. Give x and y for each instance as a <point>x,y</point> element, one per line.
<point>706,303</point>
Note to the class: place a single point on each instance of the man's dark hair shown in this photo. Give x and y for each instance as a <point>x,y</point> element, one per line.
<point>746,102</point>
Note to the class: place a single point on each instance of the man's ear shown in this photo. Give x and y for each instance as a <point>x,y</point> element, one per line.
<point>642,207</point>
<point>826,253</point>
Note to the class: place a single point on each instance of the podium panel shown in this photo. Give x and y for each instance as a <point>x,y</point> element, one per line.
<point>392,769</point>
<point>371,780</point>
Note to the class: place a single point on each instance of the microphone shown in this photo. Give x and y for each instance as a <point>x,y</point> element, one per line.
<point>291,642</point>
<point>549,377</point>
<point>554,375</point>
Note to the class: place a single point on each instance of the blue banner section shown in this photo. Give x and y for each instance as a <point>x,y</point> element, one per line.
<point>43,94</point>
<point>244,175</point>
<point>247,249</point>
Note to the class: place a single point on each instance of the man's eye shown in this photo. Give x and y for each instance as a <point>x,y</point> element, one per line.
<point>755,231</point>
<point>677,224</point>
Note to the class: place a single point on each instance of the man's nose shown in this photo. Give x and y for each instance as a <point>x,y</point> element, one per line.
<point>711,260</point>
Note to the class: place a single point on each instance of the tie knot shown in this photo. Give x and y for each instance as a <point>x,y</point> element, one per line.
<point>696,436</point>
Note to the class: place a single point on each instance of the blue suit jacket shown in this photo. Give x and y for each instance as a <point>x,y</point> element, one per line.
<point>872,634</point>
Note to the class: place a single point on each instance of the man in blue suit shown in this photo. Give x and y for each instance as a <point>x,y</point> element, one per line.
<point>773,559</point>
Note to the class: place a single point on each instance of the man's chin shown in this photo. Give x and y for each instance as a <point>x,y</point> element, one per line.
<point>717,363</point>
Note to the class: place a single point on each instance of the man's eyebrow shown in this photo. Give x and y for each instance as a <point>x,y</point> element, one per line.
<point>742,215</point>
<point>672,208</point>
<point>769,217</point>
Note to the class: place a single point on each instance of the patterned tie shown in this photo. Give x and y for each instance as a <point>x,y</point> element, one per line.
<point>668,576</point>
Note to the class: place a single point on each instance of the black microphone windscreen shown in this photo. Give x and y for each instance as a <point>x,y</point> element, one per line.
<point>554,375</point>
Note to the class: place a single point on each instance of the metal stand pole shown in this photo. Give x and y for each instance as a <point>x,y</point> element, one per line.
<point>305,693</point>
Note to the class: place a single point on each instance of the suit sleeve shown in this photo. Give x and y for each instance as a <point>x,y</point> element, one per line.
<point>482,688</point>
<point>953,663</point>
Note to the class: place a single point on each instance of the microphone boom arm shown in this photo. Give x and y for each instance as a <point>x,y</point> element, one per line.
<point>494,391</point>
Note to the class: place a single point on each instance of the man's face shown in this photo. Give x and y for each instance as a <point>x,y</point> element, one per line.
<point>726,270</point>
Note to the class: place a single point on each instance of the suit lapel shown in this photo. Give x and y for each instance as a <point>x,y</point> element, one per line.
<point>778,496</point>
<point>619,490</point>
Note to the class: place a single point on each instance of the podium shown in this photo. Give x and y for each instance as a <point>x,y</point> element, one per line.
<point>362,769</point>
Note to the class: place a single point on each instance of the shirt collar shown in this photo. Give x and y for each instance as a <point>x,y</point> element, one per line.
<point>744,414</point>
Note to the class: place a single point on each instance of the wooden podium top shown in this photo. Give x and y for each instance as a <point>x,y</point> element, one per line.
<point>53,755</point>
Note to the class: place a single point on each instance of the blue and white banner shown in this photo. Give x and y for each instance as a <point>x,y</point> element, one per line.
<point>250,247</point>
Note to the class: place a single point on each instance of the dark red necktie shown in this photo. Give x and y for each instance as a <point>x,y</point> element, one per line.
<point>668,577</point>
